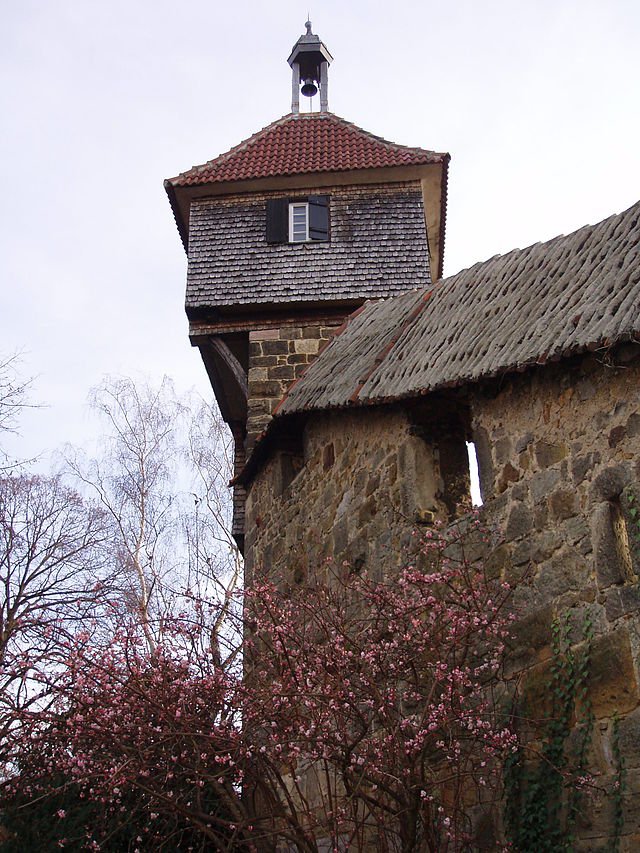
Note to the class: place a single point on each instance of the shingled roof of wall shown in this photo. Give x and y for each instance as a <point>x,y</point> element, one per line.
<point>574,293</point>
<point>305,143</point>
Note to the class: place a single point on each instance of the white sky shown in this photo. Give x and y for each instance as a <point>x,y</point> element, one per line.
<point>537,102</point>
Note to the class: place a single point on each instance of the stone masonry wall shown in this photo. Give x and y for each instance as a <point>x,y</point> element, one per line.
<point>559,456</point>
<point>277,357</point>
<point>559,451</point>
<point>346,502</point>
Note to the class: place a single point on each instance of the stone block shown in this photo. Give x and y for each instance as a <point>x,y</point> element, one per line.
<point>542,484</point>
<point>540,516</point>
<point>544,544</point>
<point>285,371</point>
<point>310,332</point>
<point>530,638</point>
<point>367,511</point>
<point>629,736</point>
<point>271,388</point>
<point>373,484</point>
<point>617,435</point>
<point>576,618</point>
<point>258,374</point>
<point>340,536</point>
<point>622,601</point>
<point>611,680</point>
<point>549,454</point>
<point>536,701</point>
<point>274,348</point>
<point>259,406</point>
<point>582,465</point>
<point>264,360</point>
<point>524,441</point>
<point>576,529</point>
<point>631,801</point>
<point>498,562</point>
<point>508,475</point>
<point>565,572</point>
<point>609,483</point>
<point>519,522</point>
<point>502,450</point>
<point>520,492</point>
<point>307,346</point>
<point>563,504</point>
<point>289,334</point>
<point>327,332</point>
<point>633,425</point>
<point>522,552</point>
<point>264,335</point>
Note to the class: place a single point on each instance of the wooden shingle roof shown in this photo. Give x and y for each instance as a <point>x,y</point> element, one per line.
<point>572,294</point>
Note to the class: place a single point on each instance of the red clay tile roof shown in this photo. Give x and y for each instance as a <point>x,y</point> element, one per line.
<point>304,143</point>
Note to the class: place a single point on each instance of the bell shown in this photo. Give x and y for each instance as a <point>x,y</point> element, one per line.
<point>309,89</point>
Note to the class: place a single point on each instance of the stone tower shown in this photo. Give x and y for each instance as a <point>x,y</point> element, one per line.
<point>289,232</point>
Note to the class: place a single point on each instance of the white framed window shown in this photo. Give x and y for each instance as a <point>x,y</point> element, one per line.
<point>298,222</point>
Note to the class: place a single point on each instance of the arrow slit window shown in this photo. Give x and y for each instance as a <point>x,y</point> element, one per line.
<point>299,220</point>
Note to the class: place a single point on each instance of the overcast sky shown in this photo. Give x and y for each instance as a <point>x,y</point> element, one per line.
<point>537,102</point>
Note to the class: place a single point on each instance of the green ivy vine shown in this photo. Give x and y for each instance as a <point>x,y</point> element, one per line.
<point>619,786</point>
<point>539,817</point>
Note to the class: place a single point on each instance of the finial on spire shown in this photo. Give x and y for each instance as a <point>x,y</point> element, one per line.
<point>308,26</point>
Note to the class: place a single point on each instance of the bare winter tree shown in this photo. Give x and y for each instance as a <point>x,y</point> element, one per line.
<point>130,478</point>
<point>54,553</point>
<point>215,565</point>
<point>13,390</point>
<point>161,474</point>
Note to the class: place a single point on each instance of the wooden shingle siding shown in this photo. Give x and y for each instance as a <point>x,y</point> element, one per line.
<point>377,247</point>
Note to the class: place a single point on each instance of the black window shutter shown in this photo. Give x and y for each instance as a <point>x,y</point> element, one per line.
<point>277,220</point>
<point>319,217</point>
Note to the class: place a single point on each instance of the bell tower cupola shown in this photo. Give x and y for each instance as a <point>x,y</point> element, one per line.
<point>309,63</point>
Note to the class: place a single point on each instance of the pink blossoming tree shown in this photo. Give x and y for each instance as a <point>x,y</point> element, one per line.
<point>363,712</point>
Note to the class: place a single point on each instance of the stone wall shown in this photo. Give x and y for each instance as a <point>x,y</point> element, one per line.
<point>559,451</point>
<point>277,357</point>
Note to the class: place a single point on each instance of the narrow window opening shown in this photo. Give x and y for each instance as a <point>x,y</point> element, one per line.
<point>474,476</point>
<point>447,483</point>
